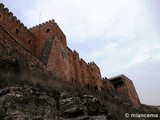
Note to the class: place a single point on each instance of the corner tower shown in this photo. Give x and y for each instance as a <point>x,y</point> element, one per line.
<point>123,85</point>
<point>52,48</point>
<point>46,31</point>
<point>95,76</point>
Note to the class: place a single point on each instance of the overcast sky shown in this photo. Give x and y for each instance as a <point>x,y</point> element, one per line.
<point>121,36</point>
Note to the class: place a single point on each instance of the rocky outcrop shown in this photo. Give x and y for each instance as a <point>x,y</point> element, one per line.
<point>81,107</point>
<point>37,103</point>
<point>17,103</point>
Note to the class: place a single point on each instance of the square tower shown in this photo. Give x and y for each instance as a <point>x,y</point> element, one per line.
<point>123,85</point>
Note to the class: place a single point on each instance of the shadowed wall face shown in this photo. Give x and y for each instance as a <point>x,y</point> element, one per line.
<point>52,49</point>
<point>14,59</point>
<point>124,86</point>
<point>9,69</point>
<point>132,94</point>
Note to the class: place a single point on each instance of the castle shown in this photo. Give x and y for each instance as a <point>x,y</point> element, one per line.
<point>44,47</point>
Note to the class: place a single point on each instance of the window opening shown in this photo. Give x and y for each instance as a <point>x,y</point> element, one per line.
<point>47,31</point>
<point>17,31</point>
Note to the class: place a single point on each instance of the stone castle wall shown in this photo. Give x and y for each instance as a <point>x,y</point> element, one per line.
<point>17,30</point>
<point>45,46</point>
<point>13,57</point>
<point>133,96</point>
<point>123,85</point>
<point>45,31</point>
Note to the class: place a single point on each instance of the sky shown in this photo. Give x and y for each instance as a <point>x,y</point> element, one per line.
<point>121,36</point>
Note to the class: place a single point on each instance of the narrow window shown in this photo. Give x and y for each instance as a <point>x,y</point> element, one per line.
<point>47,31</point>
<point>93,77</point>
<point>0,17</point>
<point>62,55</point>
<point>29,41</point>
<point>17,31</point>
<point>72,80</point>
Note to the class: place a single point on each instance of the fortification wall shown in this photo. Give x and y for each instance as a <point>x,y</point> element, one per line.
<point>17,30</point>
<point>77,67</point>
<point>85,73</point>
<point>71,65</point>
<point>94,70</point>
<point>107,85</point>
<point>132,94</point>
<point>95,75</point>
<point>14,53</point>
<point>58,60</point>
<point>52,49</point>
<point>123,85</point>
<point>99,84</point>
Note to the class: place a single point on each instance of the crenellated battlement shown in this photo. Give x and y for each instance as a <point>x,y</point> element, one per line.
<point>118,76</point>
<point>51,22</point>
<point>48,30</point>
<point>42,24</point>
<point>17,30</point>
<point>76,54</point>
<point>83,61</point>
<point>91,63</point>
<point>69,50</point>
<point>7,13</point>
<point>104,78</point>
<point>1,5</point>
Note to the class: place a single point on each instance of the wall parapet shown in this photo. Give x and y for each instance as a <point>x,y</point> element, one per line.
<point>105,78</point>
<point>17,29</point>
<point>119,76</point>
<point>14,19</point>
<point>48,22</point>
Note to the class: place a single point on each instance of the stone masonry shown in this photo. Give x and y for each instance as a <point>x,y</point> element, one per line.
<point>45,46</point>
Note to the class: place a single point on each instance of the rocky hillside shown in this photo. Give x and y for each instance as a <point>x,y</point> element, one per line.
<point>23,100</point>
<point>37,103</point>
